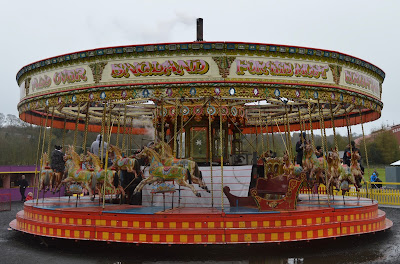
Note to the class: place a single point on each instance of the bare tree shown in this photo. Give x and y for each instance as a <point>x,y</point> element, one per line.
<point>2,119</point>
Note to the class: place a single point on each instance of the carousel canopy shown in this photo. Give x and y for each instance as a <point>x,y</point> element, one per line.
<point>249,83</point>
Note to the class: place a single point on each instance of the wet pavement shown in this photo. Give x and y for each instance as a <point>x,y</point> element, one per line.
<point>382,247</point>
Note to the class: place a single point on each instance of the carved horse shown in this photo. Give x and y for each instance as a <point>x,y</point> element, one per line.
<point>169,160</point>
<point>160,173</point>
<point>121,163</point>
<point>46,174</point>
<point>74,171</point>
<point>100,176</point>
<point>334,170</point>
<point>288,168</point>
<point>313,166</point>
<point>356,169</point>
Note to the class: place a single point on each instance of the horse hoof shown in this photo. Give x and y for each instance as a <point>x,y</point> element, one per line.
<point>198,194</point>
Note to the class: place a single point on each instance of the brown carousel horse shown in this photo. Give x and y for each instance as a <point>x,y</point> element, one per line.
<point>169,160</point>
<point>158,172</point>
<point>334,169</point>
<point>46,175</point>
<point>356,169</point>
<point>313,166</point>
<point>288,167</point>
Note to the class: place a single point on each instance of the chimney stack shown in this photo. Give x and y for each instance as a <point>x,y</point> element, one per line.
<point>199,29</point>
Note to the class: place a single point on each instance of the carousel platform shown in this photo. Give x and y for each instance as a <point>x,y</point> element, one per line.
<point>313,219</point>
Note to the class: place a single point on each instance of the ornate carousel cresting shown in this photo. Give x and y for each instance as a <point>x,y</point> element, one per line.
<point>198,100</point>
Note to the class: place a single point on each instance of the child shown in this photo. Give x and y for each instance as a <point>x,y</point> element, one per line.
<point>29,197</point>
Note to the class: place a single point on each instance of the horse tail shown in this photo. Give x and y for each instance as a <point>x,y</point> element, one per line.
<point>189,176</point>
<point>197,172</point>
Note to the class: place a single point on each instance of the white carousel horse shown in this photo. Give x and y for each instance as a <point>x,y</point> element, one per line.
<point>74,171</point>
<point>46,174</point>
<point>168,160</point>
<point>121,163</point>
<point>102,177</point>
<point>160,173</point>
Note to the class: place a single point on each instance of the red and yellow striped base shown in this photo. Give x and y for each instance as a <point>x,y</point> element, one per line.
<point>313,219</point>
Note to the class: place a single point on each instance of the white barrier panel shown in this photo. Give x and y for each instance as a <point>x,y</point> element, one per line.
<point>236,177</point>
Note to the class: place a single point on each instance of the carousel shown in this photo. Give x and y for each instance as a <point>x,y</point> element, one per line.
<point>201,103</point>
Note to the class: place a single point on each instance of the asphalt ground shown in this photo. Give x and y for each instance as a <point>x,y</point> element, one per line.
<point>17,247</point>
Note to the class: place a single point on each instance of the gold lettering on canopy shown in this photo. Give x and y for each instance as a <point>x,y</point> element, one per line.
<point>280,68</point>
<point>147,68</point>
<point>70,76</point>
<point>41,82</point>
<point>362,81</point>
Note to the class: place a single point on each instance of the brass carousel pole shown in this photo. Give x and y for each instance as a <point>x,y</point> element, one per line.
<point>222,158</point>
<point>118,128</point>
<point>348,132</point>
<point>108,133</point>
<point>76,125</point>
<point>162,130</point>
<point>365,148</point>
<point>130,147</point>
<point>41,159</point>
<point>103,121</point>
<point>287,133</point>
<point>210,156</point>
<point>123,144</point>
<point>311,127</point>
<point>181,134</point>
<point>86,129</point>
<point>273,138</point>
<point>291,155</point>
<point>323,135</point>
<point>267,136</point>
<point>333,127</point>
<point>334,131</point>
<point>155,122</point>
<point>301,127</point>
<point>176,128</point>
<point>64,131</point>
<point>50,136</point>
<point>261,128</point>
<point>38,160</point>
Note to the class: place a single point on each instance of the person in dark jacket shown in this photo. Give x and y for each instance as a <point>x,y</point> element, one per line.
<point>299,149</point>
<point>319,152</point>
<point>347,155</point>
<point>23,184</point>
<point>57,160</point>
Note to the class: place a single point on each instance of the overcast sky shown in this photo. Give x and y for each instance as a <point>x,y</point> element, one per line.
<point>35,30</point>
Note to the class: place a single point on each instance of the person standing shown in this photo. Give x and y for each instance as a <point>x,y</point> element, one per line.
<point>23,184</point>
<point>300,149</point>
<point>347,153</point>
<point>57,160</point>
<point>96,148</point>
<point>319,152</point>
